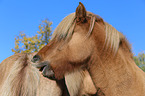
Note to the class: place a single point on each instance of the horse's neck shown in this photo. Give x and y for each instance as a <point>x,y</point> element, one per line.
<point>120,77</point>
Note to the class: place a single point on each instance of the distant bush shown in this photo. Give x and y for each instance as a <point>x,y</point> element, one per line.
<point>140,60</point>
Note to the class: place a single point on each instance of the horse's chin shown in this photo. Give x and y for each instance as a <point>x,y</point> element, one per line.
<point>45,68</point>
<point>48,73</point>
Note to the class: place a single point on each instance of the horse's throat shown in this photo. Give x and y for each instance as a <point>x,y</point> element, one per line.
<point>112,77</point>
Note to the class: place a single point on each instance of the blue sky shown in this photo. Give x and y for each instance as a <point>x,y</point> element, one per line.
<point>127,16</point>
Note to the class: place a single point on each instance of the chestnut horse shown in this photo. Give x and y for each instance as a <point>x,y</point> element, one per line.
<point>19,77</point>
<point>84,41</point>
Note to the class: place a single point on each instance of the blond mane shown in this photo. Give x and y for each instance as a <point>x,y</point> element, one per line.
<point>65,29</point>
<point>20,81</point>
<point>113,37</point>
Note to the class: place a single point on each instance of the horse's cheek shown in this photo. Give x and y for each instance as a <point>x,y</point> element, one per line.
<point>79,52</point>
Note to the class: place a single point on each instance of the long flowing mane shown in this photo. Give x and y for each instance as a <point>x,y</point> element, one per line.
<point>19,80</point>
<point>64,31</point>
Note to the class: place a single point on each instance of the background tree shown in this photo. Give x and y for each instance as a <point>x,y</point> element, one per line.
<point>140,60</point>
<point>26,44</point>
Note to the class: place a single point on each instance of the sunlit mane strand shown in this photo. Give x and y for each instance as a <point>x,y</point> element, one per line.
<point>65,28</point>
<point>113,37</point>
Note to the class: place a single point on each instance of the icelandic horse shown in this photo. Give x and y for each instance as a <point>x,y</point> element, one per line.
<point>83,40</point>
<point>19,77</point>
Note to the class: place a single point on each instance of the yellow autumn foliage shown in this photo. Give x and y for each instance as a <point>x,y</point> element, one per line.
<point>26,44</point>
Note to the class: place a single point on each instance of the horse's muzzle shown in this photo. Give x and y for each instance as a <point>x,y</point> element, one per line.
<point>46,69</point>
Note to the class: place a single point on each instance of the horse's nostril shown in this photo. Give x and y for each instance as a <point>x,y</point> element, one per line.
<point>36,58</point>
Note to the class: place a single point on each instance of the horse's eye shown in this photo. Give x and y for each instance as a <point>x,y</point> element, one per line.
<point>35,58</point>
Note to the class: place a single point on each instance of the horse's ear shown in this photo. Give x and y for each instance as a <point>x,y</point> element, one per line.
<point>81,13</point>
